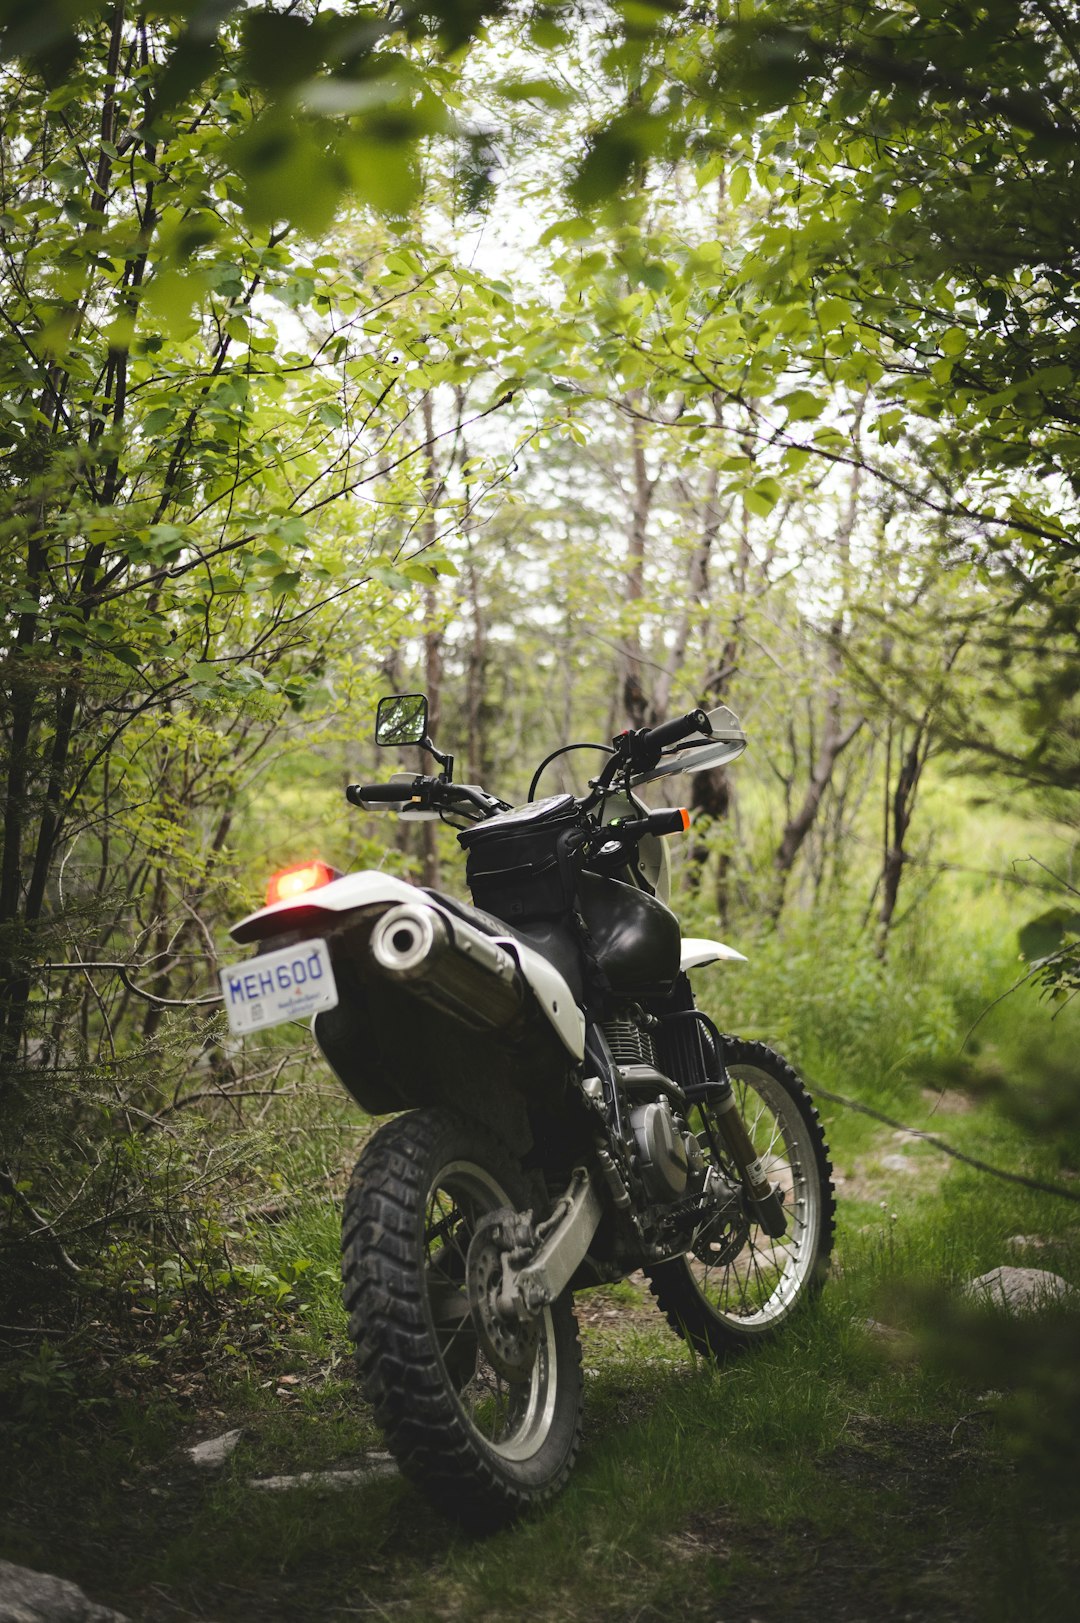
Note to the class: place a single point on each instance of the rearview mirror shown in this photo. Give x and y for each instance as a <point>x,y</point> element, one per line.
<point>401,718</point>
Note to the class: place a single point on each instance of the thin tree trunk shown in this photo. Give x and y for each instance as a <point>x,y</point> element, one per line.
<point>633,697</point>
<point>836,737</point>
<point>433,661</point>
<point>900,807</point>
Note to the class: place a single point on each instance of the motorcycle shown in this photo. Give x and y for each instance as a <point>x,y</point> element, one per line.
<point>563,1114</point>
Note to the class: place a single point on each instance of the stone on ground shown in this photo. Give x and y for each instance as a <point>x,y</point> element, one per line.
<point>377,1465</point>
<point>215,1451</point>
<point>37,1597</point>
<point>1023,1290</point>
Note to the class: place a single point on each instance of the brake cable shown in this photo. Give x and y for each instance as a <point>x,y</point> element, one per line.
<point>564,750</point>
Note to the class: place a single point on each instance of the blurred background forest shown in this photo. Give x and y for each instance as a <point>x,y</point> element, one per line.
<point>574,363</point>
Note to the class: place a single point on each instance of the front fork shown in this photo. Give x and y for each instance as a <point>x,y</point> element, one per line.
<point>764,1200</point>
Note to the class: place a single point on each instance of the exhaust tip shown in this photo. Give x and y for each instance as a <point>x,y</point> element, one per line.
<point>402,940</point>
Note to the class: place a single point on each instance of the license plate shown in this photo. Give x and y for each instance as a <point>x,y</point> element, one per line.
<point>290,984</point>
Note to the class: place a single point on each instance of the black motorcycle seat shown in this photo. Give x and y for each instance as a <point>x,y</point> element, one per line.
<point>485,922</point>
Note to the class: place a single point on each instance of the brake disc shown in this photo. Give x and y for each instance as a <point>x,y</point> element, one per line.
<point>724,1235</point>
<point>509,1340</point>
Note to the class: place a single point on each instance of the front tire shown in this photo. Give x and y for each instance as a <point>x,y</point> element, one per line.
<point>484,1448</point>
<point>738,1287</point>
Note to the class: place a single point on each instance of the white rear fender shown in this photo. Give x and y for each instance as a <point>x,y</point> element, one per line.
<point>696,952</point>
<point>354,890</point>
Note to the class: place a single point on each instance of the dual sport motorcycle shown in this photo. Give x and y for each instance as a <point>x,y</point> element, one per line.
<point>563,1112</point>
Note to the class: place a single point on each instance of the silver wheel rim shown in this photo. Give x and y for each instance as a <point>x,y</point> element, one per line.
<point>512,1420</point>
<point>763,1280</point>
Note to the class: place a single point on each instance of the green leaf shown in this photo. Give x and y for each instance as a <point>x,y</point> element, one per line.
<point>156,421</point>
<point>1041,937</point>
<point>284,583</point>
<point>801,405</point>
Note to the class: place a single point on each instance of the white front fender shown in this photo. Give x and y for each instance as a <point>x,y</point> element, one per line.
<point>696,951</point>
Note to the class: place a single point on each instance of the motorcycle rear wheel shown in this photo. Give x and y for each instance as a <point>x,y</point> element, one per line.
<point>738,1286</point>
<point>483,1448</point>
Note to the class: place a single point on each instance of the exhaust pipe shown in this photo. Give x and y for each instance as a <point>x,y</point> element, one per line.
<point>449,964</point>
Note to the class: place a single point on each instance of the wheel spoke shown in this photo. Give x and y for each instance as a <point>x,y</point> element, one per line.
<point>510,1417</point>
<point>743,1277</point>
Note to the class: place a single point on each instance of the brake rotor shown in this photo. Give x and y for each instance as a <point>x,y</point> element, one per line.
<point>716,1250</point>
<point>510,1342</point>
<point>722,1238</point>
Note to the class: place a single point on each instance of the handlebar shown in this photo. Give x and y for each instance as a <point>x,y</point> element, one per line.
<point>642,748</point>
<point>664,820</point>
<point>361,794</point>
<point>635,750</point>
<point>674,731</point>
<point>424,794</point>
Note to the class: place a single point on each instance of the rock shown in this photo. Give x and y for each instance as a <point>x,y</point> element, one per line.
<point>215,1451</point>
<point>37,1597</point>
<point>1022,1290</point>
<point>947,1101</point>
<point>884,1332</point>
<point>899,1344</point>
<point>898,1163</point>
<point>1026,1242</point>
<point>335,1481</point>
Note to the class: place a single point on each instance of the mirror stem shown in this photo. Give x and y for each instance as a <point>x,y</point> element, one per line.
<point>445,761</point>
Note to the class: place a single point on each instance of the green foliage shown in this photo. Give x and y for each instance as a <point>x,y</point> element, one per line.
<point>1051,945</point>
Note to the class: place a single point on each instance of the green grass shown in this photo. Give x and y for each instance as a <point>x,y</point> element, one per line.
<point>697,1488</point>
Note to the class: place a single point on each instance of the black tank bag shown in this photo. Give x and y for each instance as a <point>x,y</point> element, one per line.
<point>519,866</point>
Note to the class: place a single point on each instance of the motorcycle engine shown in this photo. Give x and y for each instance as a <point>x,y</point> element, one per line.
<point>669,1158</point>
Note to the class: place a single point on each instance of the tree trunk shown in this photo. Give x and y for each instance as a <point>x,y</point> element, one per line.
<point>798,826</point>
<point>632,694</point>
<point>433,660</point>
<point>900,806</point>
<point>837,737</point>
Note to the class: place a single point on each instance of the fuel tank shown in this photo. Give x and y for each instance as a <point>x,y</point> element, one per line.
<point>635,938</point>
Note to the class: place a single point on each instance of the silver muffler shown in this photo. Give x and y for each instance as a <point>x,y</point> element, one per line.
<point>449,964</point>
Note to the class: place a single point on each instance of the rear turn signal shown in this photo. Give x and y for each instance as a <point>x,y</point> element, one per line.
<point>296,881</point>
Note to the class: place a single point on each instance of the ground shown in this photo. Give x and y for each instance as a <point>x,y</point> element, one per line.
<point>854,1515</point>
<point>923,1474</point>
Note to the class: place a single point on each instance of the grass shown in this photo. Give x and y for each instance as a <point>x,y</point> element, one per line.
<point>835,1472</point>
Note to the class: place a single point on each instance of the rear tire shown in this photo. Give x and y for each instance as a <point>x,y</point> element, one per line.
<point>739,1287</point>
<point>485,1449</point>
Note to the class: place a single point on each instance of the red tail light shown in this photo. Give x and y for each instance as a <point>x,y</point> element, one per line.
<point>305,876</point>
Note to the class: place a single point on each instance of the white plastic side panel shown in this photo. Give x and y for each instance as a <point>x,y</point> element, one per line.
<point>696,951</point>
<point>552,994</point>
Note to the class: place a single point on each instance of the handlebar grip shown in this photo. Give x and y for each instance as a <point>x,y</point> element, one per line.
<point>667,820</point>
<point>362,794</point>
<point>664,820</point>
<point>673,732</point>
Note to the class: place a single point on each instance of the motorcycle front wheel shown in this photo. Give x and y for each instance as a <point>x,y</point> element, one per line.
<point>738,1286</point>
<point>483,1447</point>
